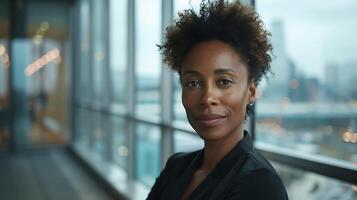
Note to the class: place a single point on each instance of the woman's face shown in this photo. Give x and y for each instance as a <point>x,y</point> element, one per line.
<point>215,90</point>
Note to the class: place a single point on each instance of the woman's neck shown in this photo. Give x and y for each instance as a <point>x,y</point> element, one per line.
<point>215,151</point>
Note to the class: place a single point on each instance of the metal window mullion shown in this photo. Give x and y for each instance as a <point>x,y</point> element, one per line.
<point>166,90</point>
<point>107,87</point>
<point>91,99</point>
<point>130,100</point>
<point>74,85</point>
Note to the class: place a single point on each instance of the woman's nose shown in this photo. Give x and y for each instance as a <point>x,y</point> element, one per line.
<point>209,96</point>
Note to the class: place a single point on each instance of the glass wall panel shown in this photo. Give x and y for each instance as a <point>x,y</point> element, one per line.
<point>82,132</point>
<point>40,66</point>
<point>147,153</point>
<point>310,104</point>
<point>97,134</point>
<point>118,51</point>
<point>147,57</point>
<point>306,185</point>
<point>186,142</point>
<point>4,75</point>
<point>121,144</point>
<point>98,52</point>
<point>84,83</point>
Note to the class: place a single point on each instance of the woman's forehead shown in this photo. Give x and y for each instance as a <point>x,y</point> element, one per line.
<point>215,57</point>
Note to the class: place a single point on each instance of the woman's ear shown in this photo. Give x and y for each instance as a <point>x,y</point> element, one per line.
<point>252,91</point>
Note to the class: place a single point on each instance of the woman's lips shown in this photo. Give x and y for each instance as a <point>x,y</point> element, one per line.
<point>210,120</point>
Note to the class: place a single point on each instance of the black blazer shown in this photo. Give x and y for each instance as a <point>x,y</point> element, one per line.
<point>243,174</point>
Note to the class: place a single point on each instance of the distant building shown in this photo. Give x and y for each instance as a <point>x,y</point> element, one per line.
<point>341,81</point>
<point>332,82</point>
<point>278,84</point>
<point>348,81</point>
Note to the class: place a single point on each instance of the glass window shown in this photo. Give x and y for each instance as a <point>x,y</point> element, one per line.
<point>147,57</point>
<point>98,28</point>
<point>310,105</point>
<point>306,185</point>
<point>98,132</point>
<point>82,131</point>
<point>187,142</point>
<point>118,51</point>
<point>180,5</point>
<point>147,153</point>
<point>121,144</point>
<point>4,75</point>
<point>84,55</point>
<point>40,63</point>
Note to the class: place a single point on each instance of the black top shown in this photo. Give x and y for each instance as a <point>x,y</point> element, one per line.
<point>241,174</point>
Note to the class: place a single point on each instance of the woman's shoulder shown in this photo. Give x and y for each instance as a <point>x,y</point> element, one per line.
<point>255,161</point>
<point>260,183</point>
<point>258,180</point>
<point>257,167</point>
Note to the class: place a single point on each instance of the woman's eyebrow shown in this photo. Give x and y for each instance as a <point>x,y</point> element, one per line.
<point>224,71</point>
<point>192,72</point>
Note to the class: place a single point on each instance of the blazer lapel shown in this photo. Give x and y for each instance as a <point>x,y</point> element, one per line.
<point>177,186</point>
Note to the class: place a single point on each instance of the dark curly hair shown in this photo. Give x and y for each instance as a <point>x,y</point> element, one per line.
<point>232,23</point>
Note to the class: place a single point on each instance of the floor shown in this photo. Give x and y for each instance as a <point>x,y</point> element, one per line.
<point>47,175</point>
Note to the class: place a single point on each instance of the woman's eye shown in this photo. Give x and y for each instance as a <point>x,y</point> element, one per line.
<point>225,82</point>
<point>192,84</point>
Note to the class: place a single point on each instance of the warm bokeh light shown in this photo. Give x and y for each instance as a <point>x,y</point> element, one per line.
<point>123,151</point>
<point>4,56</point>
<point>40,33</point>
<point>44,26</point>
<point>2,50</point>
<point>51,56</point>
<point>349,136</point>
<point>354,187</point>
<point>57,60</point>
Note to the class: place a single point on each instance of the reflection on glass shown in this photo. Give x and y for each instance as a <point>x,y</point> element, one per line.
<point>97,143</point>
<point>147,153</point>
<point>120,139</point>
<point>41,96</point>
<point>4,97</point>
<point>83,92</point>
<point>118,50</point>
<point>147,57</point>
<point>83,129</point>
<point>4,75</point>
<point>186,142</point>
<point>305,185</point>
<point>312,100</point>
<point>98,52</point>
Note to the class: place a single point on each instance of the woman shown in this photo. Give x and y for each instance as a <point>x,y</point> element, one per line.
<point>221,54</point>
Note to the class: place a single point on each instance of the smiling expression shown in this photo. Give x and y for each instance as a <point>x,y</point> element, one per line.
<point>215,90</point>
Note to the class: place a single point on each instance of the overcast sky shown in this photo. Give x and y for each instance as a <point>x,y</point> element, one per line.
<point>316,32</point>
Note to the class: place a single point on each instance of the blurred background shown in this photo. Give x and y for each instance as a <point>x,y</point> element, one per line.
<point>89,111</point>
